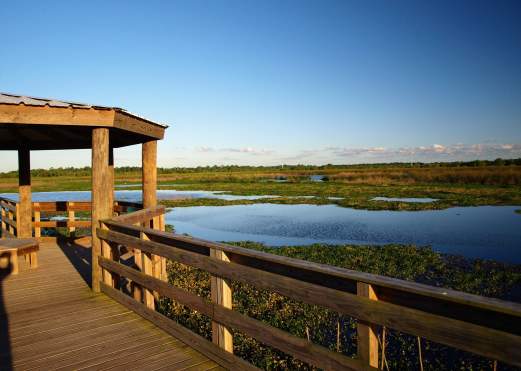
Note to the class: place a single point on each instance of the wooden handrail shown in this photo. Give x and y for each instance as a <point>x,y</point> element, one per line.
<point>420,296</point>
<point>9,214</point>
<point>140,216</point>
<point>7,199</point>
<point>9,209</point>
<point>62,206</point>
<point>269,335</point>
<point>488,327</point>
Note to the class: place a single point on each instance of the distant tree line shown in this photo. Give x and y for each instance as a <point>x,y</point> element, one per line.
<point>86,171</point>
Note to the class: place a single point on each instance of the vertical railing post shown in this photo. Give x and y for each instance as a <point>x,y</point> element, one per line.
<point>71,218</point>
<point>137,292</point>
<point>221,294</point>
<point>10,219</point>
<point>109,251</point>
<point>4,224</point>
<point>367,332</point>
<point>16,230</point>
<point>106,252</point>
<point>157,261</point>
<point>164,274</point>
<point>37,219</point>
<point>147,268</point>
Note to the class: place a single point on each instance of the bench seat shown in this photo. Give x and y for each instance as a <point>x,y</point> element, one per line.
<point>20,247</point>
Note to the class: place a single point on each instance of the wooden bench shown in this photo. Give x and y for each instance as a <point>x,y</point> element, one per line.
<point>18,247</point>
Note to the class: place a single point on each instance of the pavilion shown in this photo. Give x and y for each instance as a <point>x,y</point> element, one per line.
<point>30,124</point>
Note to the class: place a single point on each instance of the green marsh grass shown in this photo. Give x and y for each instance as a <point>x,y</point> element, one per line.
<point>419,264</point>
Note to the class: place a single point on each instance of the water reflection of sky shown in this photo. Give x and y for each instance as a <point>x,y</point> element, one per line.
<point>133,195</point>
<point>485,231</point>
<point>405,199</point>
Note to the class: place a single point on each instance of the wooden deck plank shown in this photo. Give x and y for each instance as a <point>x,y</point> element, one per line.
<point>180,365</point>
<point>28,316</point>
<point>202,366</point>
<point>22,354</point>
<point>169,356</point>
<point>49,335</point>
<point>122,360</point>
<point>63,323</point>
<point>90,354</point>
<point>54,321</point>
<point>125,350</point>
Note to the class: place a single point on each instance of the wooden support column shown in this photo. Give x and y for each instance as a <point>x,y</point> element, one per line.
<point>149,179</point>
<point>101,197</point>
<point>149,169</point>
<point>221,294</point>
<point>111,180</point>
<point>25,221</point>
<point>367,332</point>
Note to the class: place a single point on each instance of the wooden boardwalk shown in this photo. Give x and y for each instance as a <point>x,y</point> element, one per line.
<point>50,319</point>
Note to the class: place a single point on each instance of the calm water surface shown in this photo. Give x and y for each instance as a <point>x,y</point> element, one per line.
<point>487,231</point>
<point>134,195</point>
<point>422,200</point>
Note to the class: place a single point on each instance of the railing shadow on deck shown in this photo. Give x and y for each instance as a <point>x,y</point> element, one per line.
<point>79,253</point>
<point>5,341</point>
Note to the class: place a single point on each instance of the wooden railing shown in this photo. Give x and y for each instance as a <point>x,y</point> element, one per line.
<point>484,326</point>
<point>44,211</point>
<point>9,213</point>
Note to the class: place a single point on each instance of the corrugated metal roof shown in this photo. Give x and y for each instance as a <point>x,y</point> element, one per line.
<point>6,98</point>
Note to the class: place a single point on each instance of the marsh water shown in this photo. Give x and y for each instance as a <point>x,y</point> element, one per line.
<point>492,232</point>
<point>133,195</point>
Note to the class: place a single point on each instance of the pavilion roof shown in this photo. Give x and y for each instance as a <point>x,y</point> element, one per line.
<point>43,123</point>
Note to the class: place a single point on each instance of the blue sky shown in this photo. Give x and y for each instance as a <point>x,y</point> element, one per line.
<point>271,82</point>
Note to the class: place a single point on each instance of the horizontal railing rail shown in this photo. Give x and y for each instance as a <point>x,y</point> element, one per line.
<point>9,214</point>
<point>484,326</point>
<point>55,214</point>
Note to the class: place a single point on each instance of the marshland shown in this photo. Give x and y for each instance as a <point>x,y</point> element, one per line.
<point>283,185</point>
<point>278,210</point>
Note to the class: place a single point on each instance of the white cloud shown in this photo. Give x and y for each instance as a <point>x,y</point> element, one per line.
<point>433,152</point>
<point>245,150</point>
<point>205,149</point>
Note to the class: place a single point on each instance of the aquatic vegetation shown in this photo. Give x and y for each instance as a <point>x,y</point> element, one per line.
<point>420,264</point>
<point>358,196</point>
<point>453,184</point>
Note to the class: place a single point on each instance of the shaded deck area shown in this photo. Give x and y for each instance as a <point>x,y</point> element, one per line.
<point>51,319</point>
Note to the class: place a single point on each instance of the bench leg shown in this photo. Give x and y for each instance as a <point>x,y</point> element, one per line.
<point>5,260</point>
<point>33,260</point>
<point>14,262</point>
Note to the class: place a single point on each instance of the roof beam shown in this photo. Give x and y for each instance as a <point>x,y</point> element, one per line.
<point>45,115</point>
<point>49,127</point>
<point>129,122</point>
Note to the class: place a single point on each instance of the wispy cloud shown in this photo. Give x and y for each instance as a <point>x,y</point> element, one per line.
<point>244,150</point>
<point>434,151</point>
<point>487,150</point>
